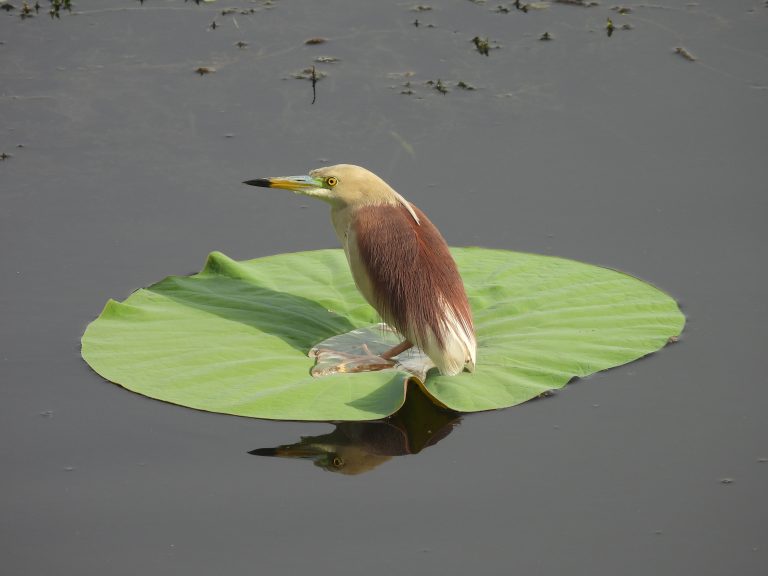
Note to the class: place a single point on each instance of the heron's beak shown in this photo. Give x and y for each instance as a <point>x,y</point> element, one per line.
<point>297,450</point>
<point>300,184</point>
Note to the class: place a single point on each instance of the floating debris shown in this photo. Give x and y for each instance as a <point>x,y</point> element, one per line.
<point>203,70</point>
<point>464,85</point>
<point>581,3</point>
<point>27,11</point>
<point>609,27</point>
<point>501,10</point>
<point>326,59</point>
<point>522,7</point>
<point>314,41</point>
<point>406,89</point>
<point>685,54</point>
<point>213,25</point>
<point>673,339</point>
<point>622,9</point>
<point>397,75</point>
<point>4,156</point>
<point>309,74</point>
<point>313,76</point>
<point>421,8</point>
<point>241,44</point>
<point>545,37</point>
<point>438,85</point>
<point>56,6</point>
<point>482,44</point>
<point>726,480</point>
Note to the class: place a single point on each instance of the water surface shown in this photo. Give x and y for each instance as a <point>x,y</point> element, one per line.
<point>125,166</point>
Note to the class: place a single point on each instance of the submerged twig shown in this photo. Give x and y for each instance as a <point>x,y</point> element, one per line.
<point>582,3</point>
<point>314,81</point>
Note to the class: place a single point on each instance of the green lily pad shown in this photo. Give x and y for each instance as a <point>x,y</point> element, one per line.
<point>234,338</point>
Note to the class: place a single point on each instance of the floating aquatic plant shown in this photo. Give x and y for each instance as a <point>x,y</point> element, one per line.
<point>236,337</point>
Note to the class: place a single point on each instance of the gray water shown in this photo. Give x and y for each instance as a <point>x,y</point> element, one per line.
<point>125,166</point>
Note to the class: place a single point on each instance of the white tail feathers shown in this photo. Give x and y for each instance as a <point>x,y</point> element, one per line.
<point>459,349</point>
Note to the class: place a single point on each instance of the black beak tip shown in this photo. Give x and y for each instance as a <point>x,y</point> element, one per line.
<point>263,182</point>
<point>264,452</point>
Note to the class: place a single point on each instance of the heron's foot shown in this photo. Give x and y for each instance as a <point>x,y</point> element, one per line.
<point>368,349</point>
<point>335,362</point>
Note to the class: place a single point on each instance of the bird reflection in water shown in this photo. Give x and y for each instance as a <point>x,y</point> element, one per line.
<point>358,447</point>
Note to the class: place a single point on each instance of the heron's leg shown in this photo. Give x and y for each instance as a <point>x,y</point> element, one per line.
<point>330,361</point>
<point>397,350</point>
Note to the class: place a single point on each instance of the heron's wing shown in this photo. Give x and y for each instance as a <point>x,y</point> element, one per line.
<point>413,278</point>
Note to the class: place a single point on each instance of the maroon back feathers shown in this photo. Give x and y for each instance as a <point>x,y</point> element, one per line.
<point>410,267</point>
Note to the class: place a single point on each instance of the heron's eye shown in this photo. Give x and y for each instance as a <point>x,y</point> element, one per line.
<point>337,462</point>
<point>331,181</point>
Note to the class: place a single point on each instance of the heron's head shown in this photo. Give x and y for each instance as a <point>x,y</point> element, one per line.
<point>343,184</point>
<point>344,459</point>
